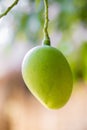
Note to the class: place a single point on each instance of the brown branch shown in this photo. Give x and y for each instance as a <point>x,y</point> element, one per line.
<point>9,8</point>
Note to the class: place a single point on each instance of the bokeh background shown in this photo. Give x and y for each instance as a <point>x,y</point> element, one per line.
<point>21,30</point>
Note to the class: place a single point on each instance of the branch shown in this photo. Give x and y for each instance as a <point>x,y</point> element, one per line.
<point>9,8</point>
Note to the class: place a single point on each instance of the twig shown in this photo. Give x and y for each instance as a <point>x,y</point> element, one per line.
<point>9,8</point>
<point>46,40</point>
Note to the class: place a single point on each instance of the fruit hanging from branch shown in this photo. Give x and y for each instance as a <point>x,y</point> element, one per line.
<point>47,73</point>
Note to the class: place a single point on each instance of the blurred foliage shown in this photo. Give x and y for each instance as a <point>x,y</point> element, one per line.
<point>31,22</point>
<point>71,12</point>
<point>78,62</point>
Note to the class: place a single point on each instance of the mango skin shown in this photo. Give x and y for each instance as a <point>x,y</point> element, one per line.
<point>48,76</point>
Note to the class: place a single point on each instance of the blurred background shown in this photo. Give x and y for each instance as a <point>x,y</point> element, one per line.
<point>21,30</point>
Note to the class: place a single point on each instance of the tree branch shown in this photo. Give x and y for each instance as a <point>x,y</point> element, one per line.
<point>9,8</point>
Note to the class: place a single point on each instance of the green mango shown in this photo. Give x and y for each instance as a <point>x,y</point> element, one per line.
<point>48,76</point>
